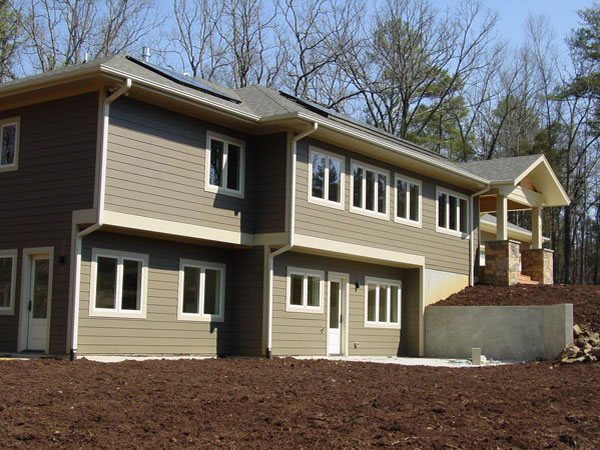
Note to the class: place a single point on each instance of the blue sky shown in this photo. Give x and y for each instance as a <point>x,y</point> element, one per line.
<point>513,14</point>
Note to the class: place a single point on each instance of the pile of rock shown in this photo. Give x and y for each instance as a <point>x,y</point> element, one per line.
<point>585,347</point>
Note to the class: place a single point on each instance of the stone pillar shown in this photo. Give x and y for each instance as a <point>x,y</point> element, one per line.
<point>536,228</point>
<point>501,218</point>
<point>538,264</point>
<point>502,260</point>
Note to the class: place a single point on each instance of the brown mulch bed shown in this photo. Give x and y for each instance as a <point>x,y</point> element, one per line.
<point>248,403</point>
<point>585,299</point>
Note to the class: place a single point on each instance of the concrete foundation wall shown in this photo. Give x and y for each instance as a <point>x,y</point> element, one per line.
<point>517,333</point>
<point>438,285</point>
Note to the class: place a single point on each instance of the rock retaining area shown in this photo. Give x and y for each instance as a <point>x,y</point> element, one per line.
<point>585,347</point>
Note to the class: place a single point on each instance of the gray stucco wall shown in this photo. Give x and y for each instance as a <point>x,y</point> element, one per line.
<point>517,333</point>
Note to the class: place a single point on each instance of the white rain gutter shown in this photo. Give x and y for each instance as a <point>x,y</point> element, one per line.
<point>471,258</point>
<point>291,229</point>
<point>100,217</point>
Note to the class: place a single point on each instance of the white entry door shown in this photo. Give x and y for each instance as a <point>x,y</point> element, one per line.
<point>334,330</point>
<point>39,288</point>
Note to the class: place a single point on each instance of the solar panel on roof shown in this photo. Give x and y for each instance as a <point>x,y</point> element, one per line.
<point>183,80</point>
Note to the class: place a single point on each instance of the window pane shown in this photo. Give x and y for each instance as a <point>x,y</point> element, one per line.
<point>216,163</point>
<point>394,305</point>
<point>383,292</point>
<point>313,298</point>
<point>370,194</point>
<point>318,175</point>
<point>6,267</point>
<point>442,210</point>
<point>296,289</point>
<point>212,291</point>
<point>358,180</point>
<point>334,304</point>
<point>106,282</point>
<point>233,167</point>
<point>452,212</point>
<point>381,193</point>
<point>401,187</point>
<point>132,285</point>
<point>463,215</point>
<point>335,169</point>
<point>191,290</point>
<point>40,288</point>
<point>414,202</point>
<point>371,303</point>
<point>9,137</point>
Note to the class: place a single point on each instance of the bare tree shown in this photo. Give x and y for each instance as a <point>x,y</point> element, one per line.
<point>10,38</point>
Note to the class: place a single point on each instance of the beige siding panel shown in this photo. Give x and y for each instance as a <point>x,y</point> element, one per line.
<point>441,251</point>
<point>297,333</point>
<point>160,332</point>
<point>156,168</point>
<point>56,172</point>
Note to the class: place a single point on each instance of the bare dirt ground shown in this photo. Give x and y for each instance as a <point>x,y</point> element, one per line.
<point>289,403</point>
<point>585,299</point>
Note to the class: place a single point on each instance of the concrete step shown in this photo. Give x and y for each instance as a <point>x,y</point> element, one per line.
<point>526,279</point>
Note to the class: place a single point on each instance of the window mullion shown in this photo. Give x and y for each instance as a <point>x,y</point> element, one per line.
<point>225,163</point>
<point>326,180</point>
<point>304,290</point>
<point>389,304</point>
<point>363,188</point>
<point>201,298</point>
<point>119,285</point>
<point>376,302</point>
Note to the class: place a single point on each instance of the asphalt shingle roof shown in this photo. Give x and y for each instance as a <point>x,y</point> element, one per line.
<point>500,169</point>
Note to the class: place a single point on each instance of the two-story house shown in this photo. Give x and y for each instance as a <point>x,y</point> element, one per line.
<point>143,212</point>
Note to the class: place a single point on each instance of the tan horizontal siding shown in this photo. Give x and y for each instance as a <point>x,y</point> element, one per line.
<point>296,333</point>
<point>441,251</point>
<point>156,168</point>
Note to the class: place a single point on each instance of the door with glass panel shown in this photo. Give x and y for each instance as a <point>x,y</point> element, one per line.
<point>39,289</point>
<point>334,329</point>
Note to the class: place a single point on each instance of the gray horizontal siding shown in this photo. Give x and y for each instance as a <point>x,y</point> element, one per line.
<point>156,169</point>
<point>56,173</point>
<point>296,333</point>
<point>160,332</point>
<point>441,251</point>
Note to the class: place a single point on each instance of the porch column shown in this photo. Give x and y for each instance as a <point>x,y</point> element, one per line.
<point>536,228</point>
<point>501,218</point>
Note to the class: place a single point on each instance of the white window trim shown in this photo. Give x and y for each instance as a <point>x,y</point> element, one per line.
<point>377,324</point>
<point>459,197</point>
<point>13,254</point>
<point>7,122</point>
<point>325,201</point>
<point>364,211</point>
<point>200,316</point>
<point>218,189</point>
<point>482,255</point>
<point>117,312</point>
<point>407,221</point>
<point>305,273</point>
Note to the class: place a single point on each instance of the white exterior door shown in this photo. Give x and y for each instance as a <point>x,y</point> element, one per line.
<point>334,329</point>
<point>39,288</point>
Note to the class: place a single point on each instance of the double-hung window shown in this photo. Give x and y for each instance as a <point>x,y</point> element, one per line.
<point>8,278</point>
<point>225,166</point>
<point>326,174</point>
<point>304,290</point>
<point>369,190</point>
<point>118,287</point>
<point>201,291</point>
<point>382,303</point>
<point>408,200</point>
<point>452,213</point>
<point>9,144</point>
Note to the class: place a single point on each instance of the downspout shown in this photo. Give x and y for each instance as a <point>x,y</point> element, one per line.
<point>100,212</point>
<point>471,259</point>
<point>291,230</point>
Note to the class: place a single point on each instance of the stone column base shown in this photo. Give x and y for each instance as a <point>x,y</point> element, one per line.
<point>538,264</point>
<point>502,260</point>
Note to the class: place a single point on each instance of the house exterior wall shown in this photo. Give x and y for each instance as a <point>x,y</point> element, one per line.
<point>55,175</point>
<point>442,251</point>
<point>302,333</point>
<point>156,168</point>
<point>161,332</point>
